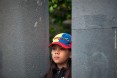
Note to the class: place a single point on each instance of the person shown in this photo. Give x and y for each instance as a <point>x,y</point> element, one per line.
<point>60,61</point>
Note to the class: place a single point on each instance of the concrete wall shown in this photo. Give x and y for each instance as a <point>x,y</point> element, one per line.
<point>23,38</point>
<point>94,36</point>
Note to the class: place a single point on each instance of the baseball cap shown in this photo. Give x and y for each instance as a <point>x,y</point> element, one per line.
<point>62,39</point>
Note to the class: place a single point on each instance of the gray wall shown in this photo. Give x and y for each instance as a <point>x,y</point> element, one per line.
<point>94,36</point>
<point>23,38</point>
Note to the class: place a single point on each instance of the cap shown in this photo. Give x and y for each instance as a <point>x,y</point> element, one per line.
<point>62,39</point>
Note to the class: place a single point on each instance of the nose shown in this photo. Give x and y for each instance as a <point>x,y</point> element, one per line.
<point>57,51</point>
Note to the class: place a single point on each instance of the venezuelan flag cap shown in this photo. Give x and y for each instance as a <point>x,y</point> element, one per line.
<point>62,39</point>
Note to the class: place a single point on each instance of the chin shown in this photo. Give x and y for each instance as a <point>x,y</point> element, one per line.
<point>57,62</point>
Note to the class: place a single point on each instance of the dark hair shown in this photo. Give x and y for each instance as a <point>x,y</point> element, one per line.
<point>54,66</point>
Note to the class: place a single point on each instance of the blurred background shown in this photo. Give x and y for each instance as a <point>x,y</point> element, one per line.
<point>59,17</point>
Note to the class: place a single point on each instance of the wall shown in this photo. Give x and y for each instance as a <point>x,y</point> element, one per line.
<point>23,38</point>
<point>94,36</point>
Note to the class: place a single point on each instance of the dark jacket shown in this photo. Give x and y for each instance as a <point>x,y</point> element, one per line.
<point>61,73</point>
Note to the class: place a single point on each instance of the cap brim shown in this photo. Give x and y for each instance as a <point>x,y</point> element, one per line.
<point>60,44</point>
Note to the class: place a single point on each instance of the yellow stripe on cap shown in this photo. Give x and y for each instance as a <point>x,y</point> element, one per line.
<point>57,37</point>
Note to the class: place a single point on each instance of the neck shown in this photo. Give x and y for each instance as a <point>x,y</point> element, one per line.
<point>60,66</point>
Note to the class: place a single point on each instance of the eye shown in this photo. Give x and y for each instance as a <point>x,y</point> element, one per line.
<point>62,48</point>
<point>53,48</point>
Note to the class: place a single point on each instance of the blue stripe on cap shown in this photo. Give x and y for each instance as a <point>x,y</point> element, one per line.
<point>65,39</point>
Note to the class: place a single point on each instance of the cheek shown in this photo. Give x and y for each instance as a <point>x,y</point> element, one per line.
<point>51,54</point>
<point>66,55</point>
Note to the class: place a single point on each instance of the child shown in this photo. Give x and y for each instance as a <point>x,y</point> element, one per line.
<point>60,63</point>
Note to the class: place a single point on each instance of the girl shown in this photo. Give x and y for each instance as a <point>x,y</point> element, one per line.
<point>60,63</point>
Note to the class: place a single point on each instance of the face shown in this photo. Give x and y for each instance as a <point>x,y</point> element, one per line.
<point>60,55</point>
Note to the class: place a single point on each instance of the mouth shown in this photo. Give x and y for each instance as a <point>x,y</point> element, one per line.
<point>56,58</point>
